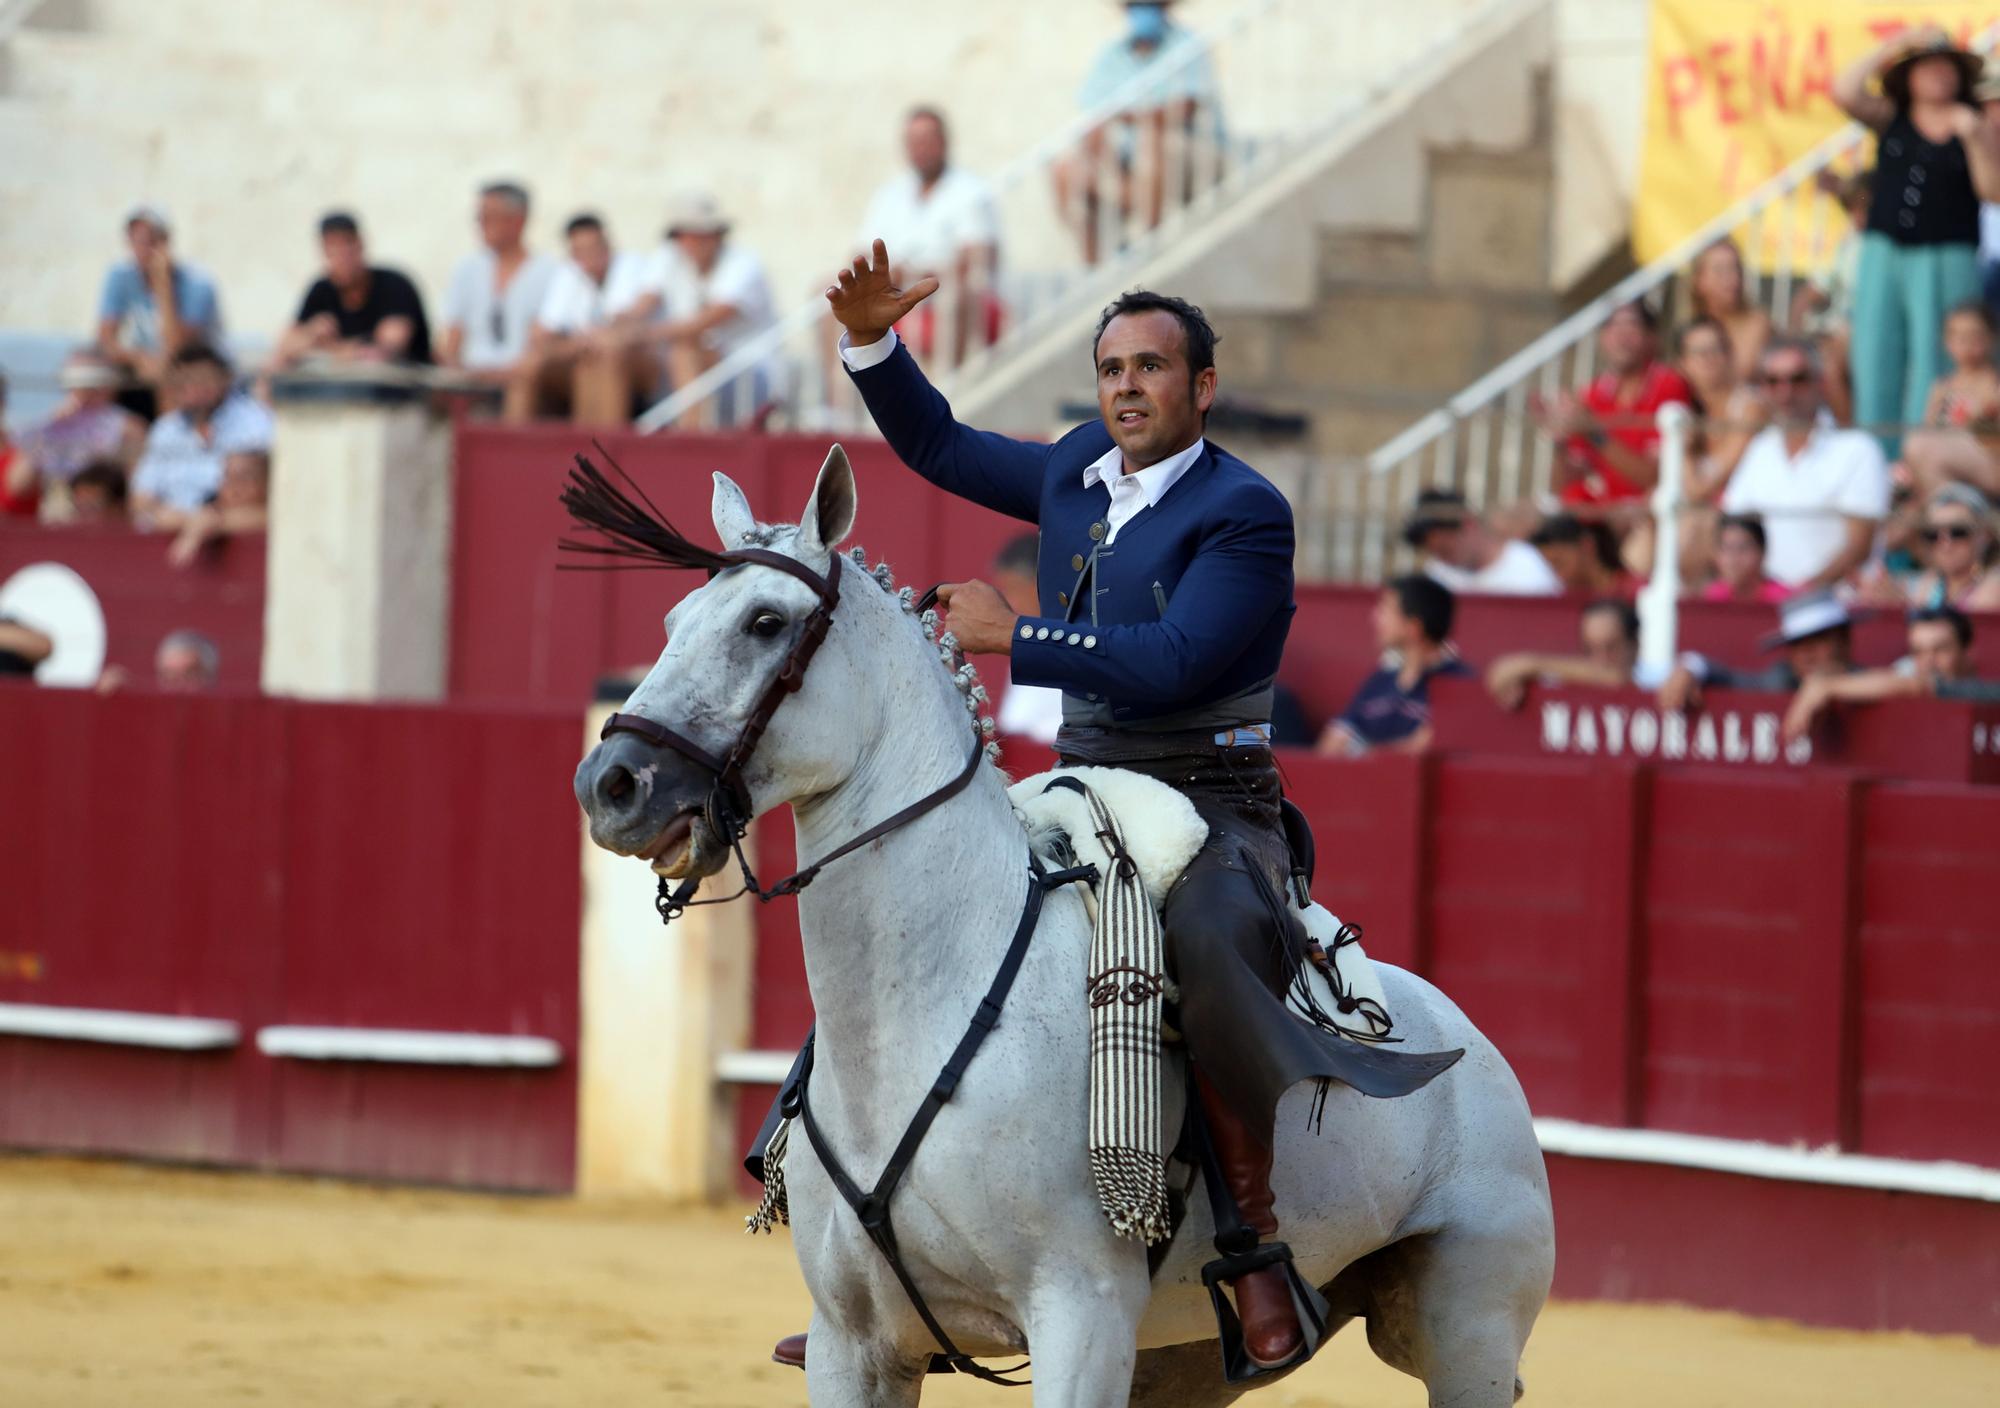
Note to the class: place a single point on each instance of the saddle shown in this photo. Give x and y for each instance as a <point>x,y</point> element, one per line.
<point>1163,833</point>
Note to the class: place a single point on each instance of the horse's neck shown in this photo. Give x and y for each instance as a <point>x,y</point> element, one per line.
<point>903,937</point>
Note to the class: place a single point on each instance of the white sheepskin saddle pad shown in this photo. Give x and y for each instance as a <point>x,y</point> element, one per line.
<point>1164,833</point>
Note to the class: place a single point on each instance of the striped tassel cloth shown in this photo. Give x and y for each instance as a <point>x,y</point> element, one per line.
<point>1127,992</point>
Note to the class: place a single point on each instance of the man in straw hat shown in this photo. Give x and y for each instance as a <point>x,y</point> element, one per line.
<point>1815,634</point>
<point>708,299</point>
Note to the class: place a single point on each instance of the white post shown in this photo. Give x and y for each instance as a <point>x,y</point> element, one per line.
<point>358,556</point>
<point>1659,601</point>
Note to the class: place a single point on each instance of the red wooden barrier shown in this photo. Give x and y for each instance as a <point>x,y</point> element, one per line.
<point>268,862</point>
<point>221,594</point>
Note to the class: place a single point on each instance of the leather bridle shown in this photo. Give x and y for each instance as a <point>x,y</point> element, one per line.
<point>728,808</point>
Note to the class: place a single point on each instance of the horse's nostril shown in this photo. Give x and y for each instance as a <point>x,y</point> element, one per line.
<point>616,784</point>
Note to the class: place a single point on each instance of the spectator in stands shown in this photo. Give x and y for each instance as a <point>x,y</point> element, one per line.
<point>22,648</point>
<point>182,468</point>
<point>97,494</point>
<point>580,358</point>
<point>1962,417</point>
<point>18,495</point>
<point>714,300</point>
<point>1608,634</point>
<point>1608,438</point>
<point>241,505</point>
<point>1938,666</point>
<point>1462,551</point>
<point>1957,535</point>
<point>1731,410</point>
<point>941,220</point>
<point>1391,710</point>
<point>1164,133</point>
<point>1739,563</point>
<point>355,311</point>
<point>1026,710</point>
<point>1584,556</point>
<point>1920,256</point>
<point>1720,294</point>
<point>496,290</point>
<point>1821,491</point>
<point>89,426</point>
<point>1817,637</point>
<point>1824,308</point>
<point>187,662</point>
<point>153,305</point>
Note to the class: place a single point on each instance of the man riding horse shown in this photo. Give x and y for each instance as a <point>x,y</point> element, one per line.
<point>1166,593</point>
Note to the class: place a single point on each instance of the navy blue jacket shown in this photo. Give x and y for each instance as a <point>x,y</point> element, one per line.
<point>1190,606</point>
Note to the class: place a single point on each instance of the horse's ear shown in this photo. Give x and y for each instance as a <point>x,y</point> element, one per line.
<point>733,519</point>
<point>830,515</point>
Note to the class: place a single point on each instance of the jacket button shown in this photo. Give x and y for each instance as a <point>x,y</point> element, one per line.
<point>1042,633</point>
<point>1027,633</point>
<point>1097,532</point>
<point>1062,598</point>
<point>1090,642</point>
<point>1074,637</point>
<point>1076,561</point>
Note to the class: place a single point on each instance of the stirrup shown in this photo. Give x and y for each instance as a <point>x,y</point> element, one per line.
<point>1307,1304</point>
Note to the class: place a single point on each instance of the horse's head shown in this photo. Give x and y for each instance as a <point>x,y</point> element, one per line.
<point>726,644</point>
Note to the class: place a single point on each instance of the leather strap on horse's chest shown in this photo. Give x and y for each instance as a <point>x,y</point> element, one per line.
<point>872,1207</point>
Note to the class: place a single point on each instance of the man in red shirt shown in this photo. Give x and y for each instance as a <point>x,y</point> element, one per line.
<point>1610,447</point>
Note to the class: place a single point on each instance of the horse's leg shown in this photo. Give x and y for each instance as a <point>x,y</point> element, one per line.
<point>845,1372</point>
<point>1454,1308</point>
<point>1083,1335</point>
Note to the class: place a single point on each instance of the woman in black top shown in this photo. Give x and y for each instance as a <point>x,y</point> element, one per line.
<point>1936,161</point>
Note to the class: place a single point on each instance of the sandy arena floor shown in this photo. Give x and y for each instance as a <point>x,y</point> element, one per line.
<point>124,1285</point>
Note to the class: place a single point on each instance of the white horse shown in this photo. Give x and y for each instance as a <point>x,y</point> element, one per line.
<point>1427,1217</point>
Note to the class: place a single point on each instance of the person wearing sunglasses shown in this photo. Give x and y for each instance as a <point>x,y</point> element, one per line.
<point>1957,540</point>
<point>1821,491</point>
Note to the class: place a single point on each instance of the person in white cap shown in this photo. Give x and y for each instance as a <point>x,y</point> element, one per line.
<point>152,304</point>
<point>1816,634</point>
<point>88,427</point>
<point>709,298</point>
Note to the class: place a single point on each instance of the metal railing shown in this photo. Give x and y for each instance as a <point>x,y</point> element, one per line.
<point>1485,442</point>
<point>1111,187</point>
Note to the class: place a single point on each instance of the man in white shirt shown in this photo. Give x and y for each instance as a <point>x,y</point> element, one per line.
<point>579,359</point>
<point>181,468</point>
<point>1463,553</point>
<point>711,299</point>
<point>1821,491</point>
<point>496,291</point>
<point>941,220</point>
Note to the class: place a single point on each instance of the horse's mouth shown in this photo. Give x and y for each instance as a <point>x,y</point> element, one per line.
<point>672,851</point>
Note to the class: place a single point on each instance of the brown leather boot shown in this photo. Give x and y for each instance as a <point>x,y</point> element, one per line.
<point>791,1351</point>
<point>1271,1334</point>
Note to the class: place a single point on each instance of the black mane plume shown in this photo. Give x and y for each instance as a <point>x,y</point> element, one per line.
<point>633,533</point>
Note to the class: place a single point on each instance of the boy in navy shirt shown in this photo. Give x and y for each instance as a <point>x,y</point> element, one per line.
<point>1392,707</point>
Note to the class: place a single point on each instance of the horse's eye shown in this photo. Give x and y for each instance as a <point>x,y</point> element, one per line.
<point>766,624</point>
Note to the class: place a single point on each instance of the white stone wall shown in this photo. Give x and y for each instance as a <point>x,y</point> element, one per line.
<point>248,119</point>
<point>1600,103</point>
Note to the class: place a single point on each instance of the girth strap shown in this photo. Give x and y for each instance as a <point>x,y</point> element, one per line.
<point>872,1207</point>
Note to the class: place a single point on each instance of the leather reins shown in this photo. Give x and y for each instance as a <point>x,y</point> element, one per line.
<point>728,808</point>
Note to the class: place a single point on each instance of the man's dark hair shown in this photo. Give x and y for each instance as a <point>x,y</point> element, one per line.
<point>197,354</point>
<point>1436,508</point>
<point>1201,338</point>
<point>1568,528</point>
<point>583,220</point>
<point>513,192</point>
<point>1960,623</point>
<point>339,222</point>
<point>1647,314</point>
<point>108,475</point>
<point>1021,553</point>
<point>1748,522</point>
<point>1619,610</point>
<point>1426,601</point>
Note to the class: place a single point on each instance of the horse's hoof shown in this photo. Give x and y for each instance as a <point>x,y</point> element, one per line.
<point>1271,1334</point>
<point>790,1351</point>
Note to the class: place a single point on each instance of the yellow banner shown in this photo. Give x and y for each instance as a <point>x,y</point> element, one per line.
<point>1737,90</point>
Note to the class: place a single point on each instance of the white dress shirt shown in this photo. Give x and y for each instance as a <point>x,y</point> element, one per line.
<point>1139,489</point>
<point>575,303</point>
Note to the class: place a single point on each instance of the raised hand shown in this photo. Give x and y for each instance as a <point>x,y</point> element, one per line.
<point>867,302</point>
